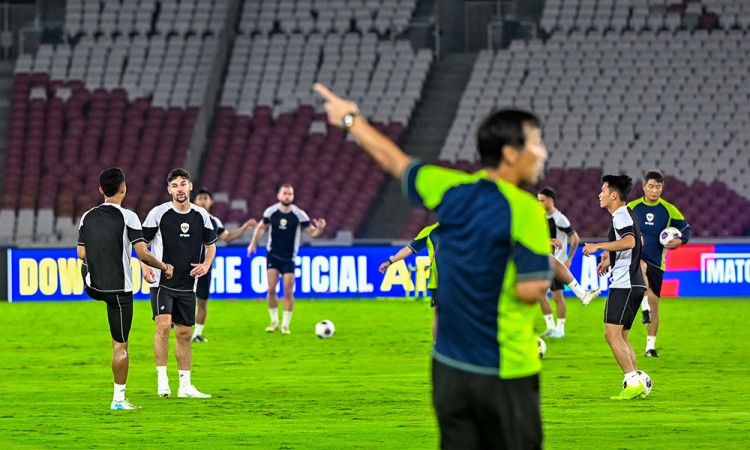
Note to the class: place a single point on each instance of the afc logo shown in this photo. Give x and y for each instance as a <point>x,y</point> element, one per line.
<point>184,227</point>
<point>649,219</point>
<point>282,224</point>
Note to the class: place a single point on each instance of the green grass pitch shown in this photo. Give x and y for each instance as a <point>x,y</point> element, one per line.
<point>368,387</point>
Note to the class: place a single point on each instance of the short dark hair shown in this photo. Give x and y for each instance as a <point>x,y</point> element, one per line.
<point>175,173</point>
<point>110,181</point>
<point>622,184</point>
<point>285,185</point>
<point>500,128</point>
<point>549,192</point>
<point>205,191</point>
<point>654,175</point>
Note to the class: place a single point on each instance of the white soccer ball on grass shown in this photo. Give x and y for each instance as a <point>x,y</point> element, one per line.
<point>325,329</point>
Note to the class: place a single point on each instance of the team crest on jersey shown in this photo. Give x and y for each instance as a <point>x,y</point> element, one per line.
<point>184,227</point>
<point>649,219</point>
<point>282,224</point>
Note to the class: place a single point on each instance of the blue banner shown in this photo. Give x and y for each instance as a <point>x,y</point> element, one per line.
<point>321,272</point>
<point>352,272</point>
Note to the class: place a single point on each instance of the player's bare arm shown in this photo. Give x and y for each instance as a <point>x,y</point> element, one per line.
<point>384,151</point>
<point>81,250</point>
<point>624,243</point>
<point>149,259</point>
<point>574,241</point>
<point>316,227</point>
<point>229,236</point>
<point>259,230</point>
<point>401,255</point>
<point>556,243</point>
<point>200,269</point>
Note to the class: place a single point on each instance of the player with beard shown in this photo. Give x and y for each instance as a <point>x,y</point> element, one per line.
<point>285,220</point>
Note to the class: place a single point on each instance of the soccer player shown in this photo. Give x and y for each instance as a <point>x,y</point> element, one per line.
<point>178,231</point>
<point>655,214</point>
<point>622,256</point>
<point>285,220</point>
<point>560,230</point>
<point>428,237</point>
<point>106,236</point>
<point>494,267</point>
<point>205,199</point>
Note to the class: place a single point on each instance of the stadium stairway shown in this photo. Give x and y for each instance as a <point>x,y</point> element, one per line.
<point>426,134</point>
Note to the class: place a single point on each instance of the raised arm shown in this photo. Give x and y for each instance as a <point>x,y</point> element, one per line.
<point>316,227</point>
<point>383,150</point>
<point>229,236</point>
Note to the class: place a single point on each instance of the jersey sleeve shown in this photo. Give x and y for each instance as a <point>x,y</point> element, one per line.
<point>133,225</point>
<point>151,225</point>
<point>426,184</point>
<point>623,224</point>
<point>219,226</point>
<point>304,219</point>
<point>677,220</point>
<point>563,223</point>
<point>267,215</point>
<point>81,234</point>
<point>209,234</point>
<point>418,244</point>
<point>531,238</point>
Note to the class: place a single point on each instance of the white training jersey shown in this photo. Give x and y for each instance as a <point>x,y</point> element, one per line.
<point>561,229</point>
<point>625,264</point>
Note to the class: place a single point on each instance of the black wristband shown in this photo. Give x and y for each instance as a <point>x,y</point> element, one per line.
<point>389,260</point>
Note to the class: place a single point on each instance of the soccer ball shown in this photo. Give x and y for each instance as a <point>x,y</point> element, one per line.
<point>325,329</point>
<point>668,234</point>
<point>542,347</point>
<point>645,379</point>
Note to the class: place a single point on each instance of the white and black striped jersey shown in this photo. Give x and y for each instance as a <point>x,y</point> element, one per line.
<point>177,238</point>
<point>626,264</point>
<point>283,241</point>
<point>108,232</point>
<point>561,229</point>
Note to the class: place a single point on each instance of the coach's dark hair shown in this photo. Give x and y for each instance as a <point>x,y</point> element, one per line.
<point>178,173</point>
<point>285,185</point>
<point>205,191</point>
<point>549,192</point>
<point>500,128</point>
<point>654,175</point>
<point>110,181</point>
<point>622,184</point>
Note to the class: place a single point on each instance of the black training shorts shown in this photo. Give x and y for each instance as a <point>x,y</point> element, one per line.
<point>119,312</point>
<point>556,285</point>
<point>180,304</point>
<point>655,277</point>
<point>283,265</point>
<point>202,288</point>
<point>484,411</point>
<point>622,306</point>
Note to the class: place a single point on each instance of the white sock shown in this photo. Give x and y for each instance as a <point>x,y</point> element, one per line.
<point>632,378</point>
<point>198,329</point>
<point>577,289</point>
<point>650,343</point>
<point>561,325</point>
<point>161,375</point>
<point>274,313</point>
<point>119,393</point>
<point>549,319</point>
<point>287,318</point>
<point>644,303</point>
<point>184,378</point>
